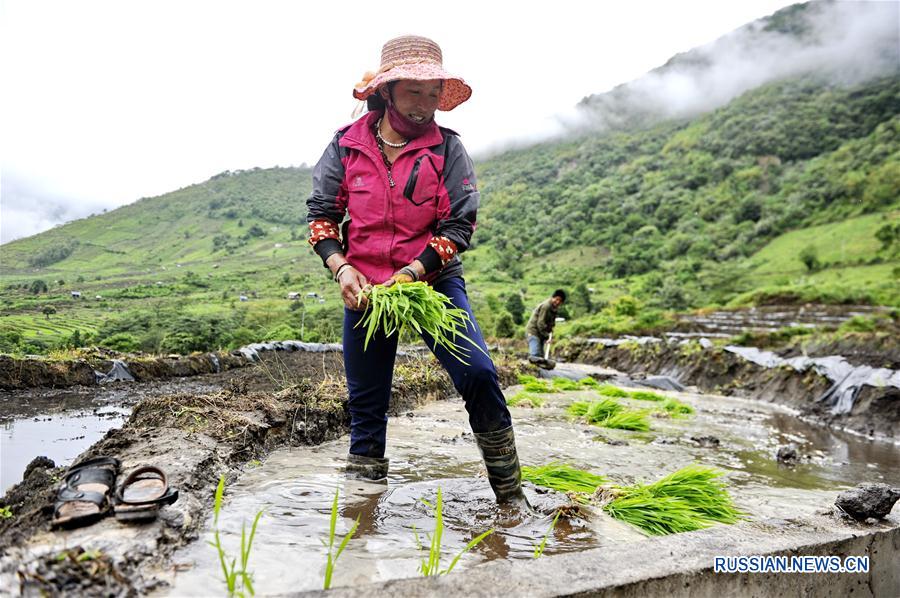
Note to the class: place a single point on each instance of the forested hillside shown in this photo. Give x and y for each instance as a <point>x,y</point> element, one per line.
<point>790,191</point>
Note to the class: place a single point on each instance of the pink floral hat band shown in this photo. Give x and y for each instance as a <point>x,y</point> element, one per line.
<point>419,59</point>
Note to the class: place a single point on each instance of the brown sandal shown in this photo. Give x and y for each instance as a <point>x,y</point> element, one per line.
<point>139,497</point>
<point>84,494</point>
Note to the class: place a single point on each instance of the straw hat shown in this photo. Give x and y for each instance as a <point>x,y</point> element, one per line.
<point>418,58</point>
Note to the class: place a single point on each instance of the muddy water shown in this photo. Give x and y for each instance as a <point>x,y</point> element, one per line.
<point>433,448</point>
<point>61,424</point>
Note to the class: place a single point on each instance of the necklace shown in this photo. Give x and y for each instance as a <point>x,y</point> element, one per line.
<point>385,141</point>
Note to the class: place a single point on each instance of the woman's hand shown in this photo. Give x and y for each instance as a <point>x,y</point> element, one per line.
<point>352,284</point>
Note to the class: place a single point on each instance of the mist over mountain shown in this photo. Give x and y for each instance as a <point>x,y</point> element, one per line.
<point>844,43</point>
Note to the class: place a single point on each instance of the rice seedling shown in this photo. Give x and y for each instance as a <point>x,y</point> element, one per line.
<point>563,478</point>
<point>608,390</point>
<point>418,306</point>
<point>541,386</point>
<point>627,419</point>
<point>689,499</point>
<point>677,408</point>
<point>539,549</point>
<point>646,395</point>
<point>431,565</point>
<point>525,397</point>
<point>589,382</point>
<point>594,411</point>
<point>565,384</point>
<point>230,573</point>
<point>332,555</point>
<point>5,513</point>
<point>526,378</point>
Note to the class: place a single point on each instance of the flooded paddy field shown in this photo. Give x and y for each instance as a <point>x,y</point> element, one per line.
<point>432,447</point>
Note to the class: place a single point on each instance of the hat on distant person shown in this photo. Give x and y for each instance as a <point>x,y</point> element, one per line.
<point>417,58</point>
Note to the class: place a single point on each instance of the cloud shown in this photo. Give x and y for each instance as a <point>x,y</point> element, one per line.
<point>848,42</point>
<point>28,209</point>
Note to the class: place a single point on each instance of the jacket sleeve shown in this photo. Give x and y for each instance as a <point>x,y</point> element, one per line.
<point>327,204</point>
<point>457,221</point>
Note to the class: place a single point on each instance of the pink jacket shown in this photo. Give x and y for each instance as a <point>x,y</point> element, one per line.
<point>433,203</point>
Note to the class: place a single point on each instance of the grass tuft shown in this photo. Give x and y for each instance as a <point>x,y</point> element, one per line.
<point>589,382</point>
<point>677,408</point>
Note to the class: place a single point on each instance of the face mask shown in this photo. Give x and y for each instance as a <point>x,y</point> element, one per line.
<point>405,127</point>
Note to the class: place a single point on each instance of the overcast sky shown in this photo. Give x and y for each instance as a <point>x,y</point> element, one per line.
<point>106,102</point>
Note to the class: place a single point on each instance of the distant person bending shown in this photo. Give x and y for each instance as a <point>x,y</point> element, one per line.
<point>409,188</point>
<point>541,324</point>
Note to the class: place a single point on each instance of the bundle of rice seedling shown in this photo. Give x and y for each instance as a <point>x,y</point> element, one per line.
<point>417,305</point>
<point>539,386</point>
<point>689,499</point>
<point>526,378</point>
<point>565,384</point>
<point>563,478</point>
<point>525,397</point>
<point>628,419</point>
<point>594,411</point>
<point>608,390</point>
<point>646,395</point>
<point>588,381</point>
<point>677,408</point>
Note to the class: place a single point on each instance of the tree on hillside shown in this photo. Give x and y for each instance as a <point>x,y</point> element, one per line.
<point>580,300</point>
<point>48,310</point>
<point>810,258</point>
<point>506,327</point>
<point>38,286</point>
<point>516,308</point>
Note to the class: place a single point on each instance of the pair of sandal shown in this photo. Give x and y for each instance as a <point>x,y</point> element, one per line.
<point>86,493</point>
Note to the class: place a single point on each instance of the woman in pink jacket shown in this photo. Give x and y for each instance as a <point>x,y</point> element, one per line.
<point>408,187</point>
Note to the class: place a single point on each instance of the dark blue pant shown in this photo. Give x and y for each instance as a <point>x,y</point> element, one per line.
<point>369,375</point>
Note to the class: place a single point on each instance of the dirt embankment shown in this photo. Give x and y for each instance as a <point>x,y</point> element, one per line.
<point>876,411</point>
<point>286,399</point>
<point>33,372</point>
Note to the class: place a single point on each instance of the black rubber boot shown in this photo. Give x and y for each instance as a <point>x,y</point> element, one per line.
<point>372,469</point>
<point>498,449</point>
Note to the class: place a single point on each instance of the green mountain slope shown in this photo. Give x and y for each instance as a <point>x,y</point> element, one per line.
<point>789,192</point>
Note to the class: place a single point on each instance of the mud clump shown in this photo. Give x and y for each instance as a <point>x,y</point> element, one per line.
<point>868,501</point>
<point>706,441</point>
<point>787,455</point>
<point>75,572</point>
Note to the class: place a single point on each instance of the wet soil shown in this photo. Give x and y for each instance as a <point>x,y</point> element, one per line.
<point>875,413</point>
<point>195,435</point>
<point>432,448</point>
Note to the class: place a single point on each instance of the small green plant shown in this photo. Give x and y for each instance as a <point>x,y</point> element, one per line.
<point>5,513</point>
<point>525,378</point>
<point>525,397</point>
<point>646,395</point>
<point>563,478</point>
<point>431,565</point>
<point>418,306</point>
<point>689,499</point>
<point>539,549</point>
<point>332,554</point>
<point>589,382</point>
<point>608,390</point>
<point>230,573</point>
